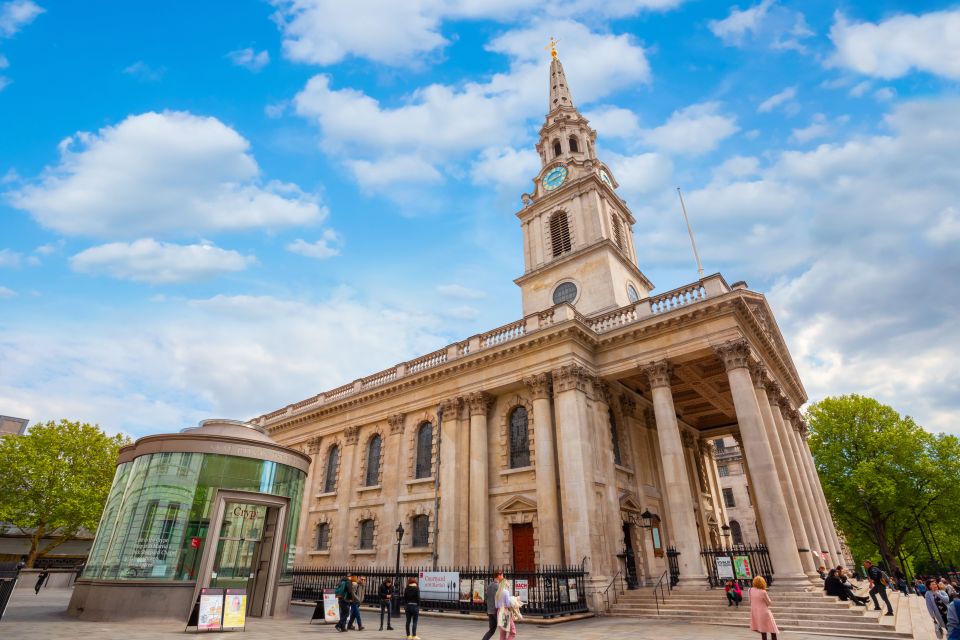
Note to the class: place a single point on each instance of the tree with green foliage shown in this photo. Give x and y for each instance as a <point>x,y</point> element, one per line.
<point>54,481</point>
<point>883,474</point>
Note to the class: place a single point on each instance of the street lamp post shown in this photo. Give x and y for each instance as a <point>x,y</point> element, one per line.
<point>725,532</point>
<point>396,580</point>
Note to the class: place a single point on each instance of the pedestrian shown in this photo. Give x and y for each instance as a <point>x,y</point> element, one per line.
<point>386,601</point>
<point>344,593</point>
<point>761,618</point>
<point>734,593</point>
<point>953,620</point>
<point>937,603</point>
<point>948,589</point>
<point>41,580</point>
<point>411,598</point>
<point>822,572</point>
<point>878,585</point>
<point>490,597</point>
<point>359,592</point>
<point>504,619</point>
<point>510,616</point>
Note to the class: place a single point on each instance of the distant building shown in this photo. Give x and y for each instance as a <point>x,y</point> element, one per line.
<point>735,489</point>
<point>10,426</point>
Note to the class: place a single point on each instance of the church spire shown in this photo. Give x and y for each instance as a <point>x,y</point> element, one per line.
<point>559,89</point>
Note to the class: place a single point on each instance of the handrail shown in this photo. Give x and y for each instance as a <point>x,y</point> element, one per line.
<point>606,592</point>
<point>656,599</point>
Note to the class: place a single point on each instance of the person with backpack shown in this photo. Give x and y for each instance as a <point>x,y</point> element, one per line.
<point>878,585</point>
<point>359,592</point>
<point>345,597</point>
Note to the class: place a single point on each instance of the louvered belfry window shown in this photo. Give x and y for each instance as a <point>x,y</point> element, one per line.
<point>421,531</point>
<point>373,462</point>
<point>559,233</point>
<point>333,461</point>
<point>424,450</point>
<point>519,439</point>
<point>618,231</point>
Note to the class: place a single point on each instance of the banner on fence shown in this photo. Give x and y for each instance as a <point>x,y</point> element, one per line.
<point>439,585</point>
<point>725,567</point>
<point>522,589</point>
<point>235,609</point>
<point>478,591</point>
<point>331,610</point>
<point>741,566</point>
<point>572,587</point>
<point>210,614</point>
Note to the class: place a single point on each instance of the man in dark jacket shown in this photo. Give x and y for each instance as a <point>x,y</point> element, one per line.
<point>345,600</point>
<point>876,577</point>
<point>490,597</point>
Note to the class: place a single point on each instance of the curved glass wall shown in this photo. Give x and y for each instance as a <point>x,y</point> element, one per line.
<point>156,519</point>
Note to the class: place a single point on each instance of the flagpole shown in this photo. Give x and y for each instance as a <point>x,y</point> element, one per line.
<point>693,242</point>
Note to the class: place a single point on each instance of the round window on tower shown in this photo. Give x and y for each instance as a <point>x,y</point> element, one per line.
<point>632,294</point>
<point>566,292</point>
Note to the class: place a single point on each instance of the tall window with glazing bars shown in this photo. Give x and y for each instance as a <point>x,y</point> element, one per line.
<point>519,438</point>
<point>424,461</point>
<point>333,461</point>
<point>373,462</point>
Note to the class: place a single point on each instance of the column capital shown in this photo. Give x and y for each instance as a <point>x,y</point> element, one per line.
<point>313,445</point>
<point>774,393</point>
<point>570,377</point>
<point>758,373</point>
<point>784,403</point>
<point>628,406</point>
<point>450,408</point>
<point>688,439</point>
<point>735,354</point>
<point>707,448</point>
<point>601,390</point>
<point>350,435</point>
<point>539,385</point>
<point>649,418</point>
<point>479,403</point>
<point>396,422</point>
<point>659,373</point>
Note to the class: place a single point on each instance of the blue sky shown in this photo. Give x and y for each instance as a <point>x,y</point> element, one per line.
<point>215,209</point>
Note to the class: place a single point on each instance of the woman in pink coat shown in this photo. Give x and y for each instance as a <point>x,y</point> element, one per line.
<point>761,618</point>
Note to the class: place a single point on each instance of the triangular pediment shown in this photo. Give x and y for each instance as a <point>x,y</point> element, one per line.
<point>628,502</point>
<point>517,504</point>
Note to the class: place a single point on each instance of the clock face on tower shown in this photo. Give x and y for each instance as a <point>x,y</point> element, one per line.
<point>606,178</point>
<point>554,178</point>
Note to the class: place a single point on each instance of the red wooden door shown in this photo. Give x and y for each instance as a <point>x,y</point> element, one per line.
<point>523,558</point>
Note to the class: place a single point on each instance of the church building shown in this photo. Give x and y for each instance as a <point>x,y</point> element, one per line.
<point>581,432</point>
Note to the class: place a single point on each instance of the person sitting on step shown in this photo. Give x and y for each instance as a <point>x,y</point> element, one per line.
<point>734,593</point>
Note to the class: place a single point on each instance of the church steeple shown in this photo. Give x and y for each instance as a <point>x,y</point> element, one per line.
<point>577,232</point>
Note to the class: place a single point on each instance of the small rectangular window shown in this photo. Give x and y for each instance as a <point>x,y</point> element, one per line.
<point>723,471</point>
<point>728,500</point>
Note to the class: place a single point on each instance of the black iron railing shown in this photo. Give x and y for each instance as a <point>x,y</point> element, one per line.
<point>674,566</point>
<point>660,591</point>
<point>551,590</point>
<point>742,562</point>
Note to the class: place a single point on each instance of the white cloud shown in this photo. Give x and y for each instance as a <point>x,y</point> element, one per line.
<point>766,23</point>
<point>460,292</point>
<point>885,94</point>
<point>641,174</point>
<point>893,48</point>
<point>7,293</point>
<point>462,312</point>
<point>860,88</point>
<point>160,174</point>
<point>250,59</point>
<point>144,72</point>
<point>10,258</point>
<point>147,260</point>
<point>740,22</point>
<point>946,229</point>
<point>328,246</point>
<point>614,122</point>
<point>16,14</point>
<point>818,128</point>
<point>506,168</point>
<point>381,174</point>
<point>693,130</point>
<point>4,63</point>
<point>778,99</point>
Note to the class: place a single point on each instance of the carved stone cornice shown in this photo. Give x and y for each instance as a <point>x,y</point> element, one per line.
<point>570,377</point>
<point>396,422</point>
<point>539,385</point>
<point>658,373</point>
<point>601,390</point>
<point>450,408</point>
<point>735,354</point>
<point>758,373</point>
<point>350,435</point>
<point>628,406</point>
<point>479,403</point>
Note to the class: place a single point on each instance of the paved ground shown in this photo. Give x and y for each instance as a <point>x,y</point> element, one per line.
<point>43,617</point>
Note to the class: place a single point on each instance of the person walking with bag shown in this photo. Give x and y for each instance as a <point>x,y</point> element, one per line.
<point>761,618</point>
<point>878,585</point>
<point>937,606</point>
<point>504,617</point>
<point>386,601</point>
<point>411,598</point>
<point>490,597</point>
<point>344,593</point>
<point>359,593</point>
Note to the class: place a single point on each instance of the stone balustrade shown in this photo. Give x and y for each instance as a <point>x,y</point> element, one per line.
<point>709,287</point>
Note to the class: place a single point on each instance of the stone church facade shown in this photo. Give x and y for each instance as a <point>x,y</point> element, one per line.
<point>543,441</point>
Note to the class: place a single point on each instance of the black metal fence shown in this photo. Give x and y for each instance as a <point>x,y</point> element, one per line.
<point>744,562</point>
<point>9,573</point>
<point>551,590</point>
<point>674,566</point>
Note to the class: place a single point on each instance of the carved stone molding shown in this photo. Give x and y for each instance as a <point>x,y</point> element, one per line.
<point>539,385</point>
<point>479,403</point>
<point>689,440</point>
<point>649,418</point>
<point>571,377</point>
<point>628,406</point>
<point>774,392</point>
<point>758,373</point>
<point>707,448</point>
<point>313,445</point>
<point>396,422</point>
<point>351,434</point>
<point>601,390</point>
<point>734,354</point>
<point>659,373</point>
<point>785,407</point>
<point>451,408</point>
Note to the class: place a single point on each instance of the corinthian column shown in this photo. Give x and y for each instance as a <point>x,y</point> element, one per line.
<point>830,528</point>
<point>683,525</point>
<point>340,553</point>
<point>771,506</point>
<point>449,487</point>
<point>479,480</point>
<point>548,502</point>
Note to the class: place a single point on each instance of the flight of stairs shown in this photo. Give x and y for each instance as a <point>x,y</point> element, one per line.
<point>800,611</point>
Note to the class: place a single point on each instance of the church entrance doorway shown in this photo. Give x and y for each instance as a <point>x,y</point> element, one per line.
<point>630,556</point>
<point>523,557</point>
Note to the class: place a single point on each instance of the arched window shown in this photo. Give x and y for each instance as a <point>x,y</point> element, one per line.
<point>424,451</point>
<point>519,439</point>
<point>615,436</point>
<point>559,233</point>
<point>632,294</point>
<point>736,532</point>
<point>373,462</point>
<point>333,461</point>
<point>617,231</point>
<point>323,536</point>
<point>556,148</point>
<point>574,145</point>
<point>421,531</point>
<point>565,292</point>
<point>366,534</point>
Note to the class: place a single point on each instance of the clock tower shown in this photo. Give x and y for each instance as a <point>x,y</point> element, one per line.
<point>577,232</point>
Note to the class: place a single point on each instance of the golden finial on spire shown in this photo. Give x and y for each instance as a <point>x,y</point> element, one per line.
<point>553,47</point>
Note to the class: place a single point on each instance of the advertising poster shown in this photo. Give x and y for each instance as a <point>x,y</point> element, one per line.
<point>465,592</point>
<point>235,609</point>
<point>210,614</point>
<point>741,566</point>
<point>523,589</point>
<point>331,610</point>
<point>572,587</point>
<point>478,590</point>
<point>564,595</point>
<point>724,568</point>
<point>439,585</point>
